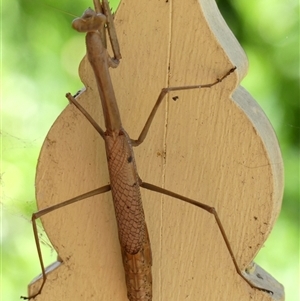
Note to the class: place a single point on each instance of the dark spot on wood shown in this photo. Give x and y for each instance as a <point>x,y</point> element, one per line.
<point>129,159</point>
<point>175,98</point>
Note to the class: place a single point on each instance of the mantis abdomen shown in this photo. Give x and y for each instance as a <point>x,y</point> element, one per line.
<point>133,234</point>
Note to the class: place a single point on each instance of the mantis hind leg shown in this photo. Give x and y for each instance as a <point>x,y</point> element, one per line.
<point>45,211</point>
<point>216,216</point>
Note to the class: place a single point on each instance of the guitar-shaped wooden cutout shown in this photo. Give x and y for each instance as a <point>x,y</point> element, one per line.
<point>214,145</point>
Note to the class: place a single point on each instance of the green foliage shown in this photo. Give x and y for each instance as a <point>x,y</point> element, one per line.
<point>40,57</point>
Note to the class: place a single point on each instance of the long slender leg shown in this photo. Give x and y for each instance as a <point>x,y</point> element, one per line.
<point>161,96</point>
<point>86,114</point>
<point>42,212</point>
<point>211,210</point>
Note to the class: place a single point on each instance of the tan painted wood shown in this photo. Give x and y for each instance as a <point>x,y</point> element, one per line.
<point>215,146</point>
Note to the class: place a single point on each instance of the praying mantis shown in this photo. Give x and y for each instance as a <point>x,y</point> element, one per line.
<point>135,244</point>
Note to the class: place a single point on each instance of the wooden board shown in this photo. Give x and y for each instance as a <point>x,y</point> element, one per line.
<point>215,146</point>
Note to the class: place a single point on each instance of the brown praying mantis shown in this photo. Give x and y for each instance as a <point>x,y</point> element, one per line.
<point>124,179</point>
